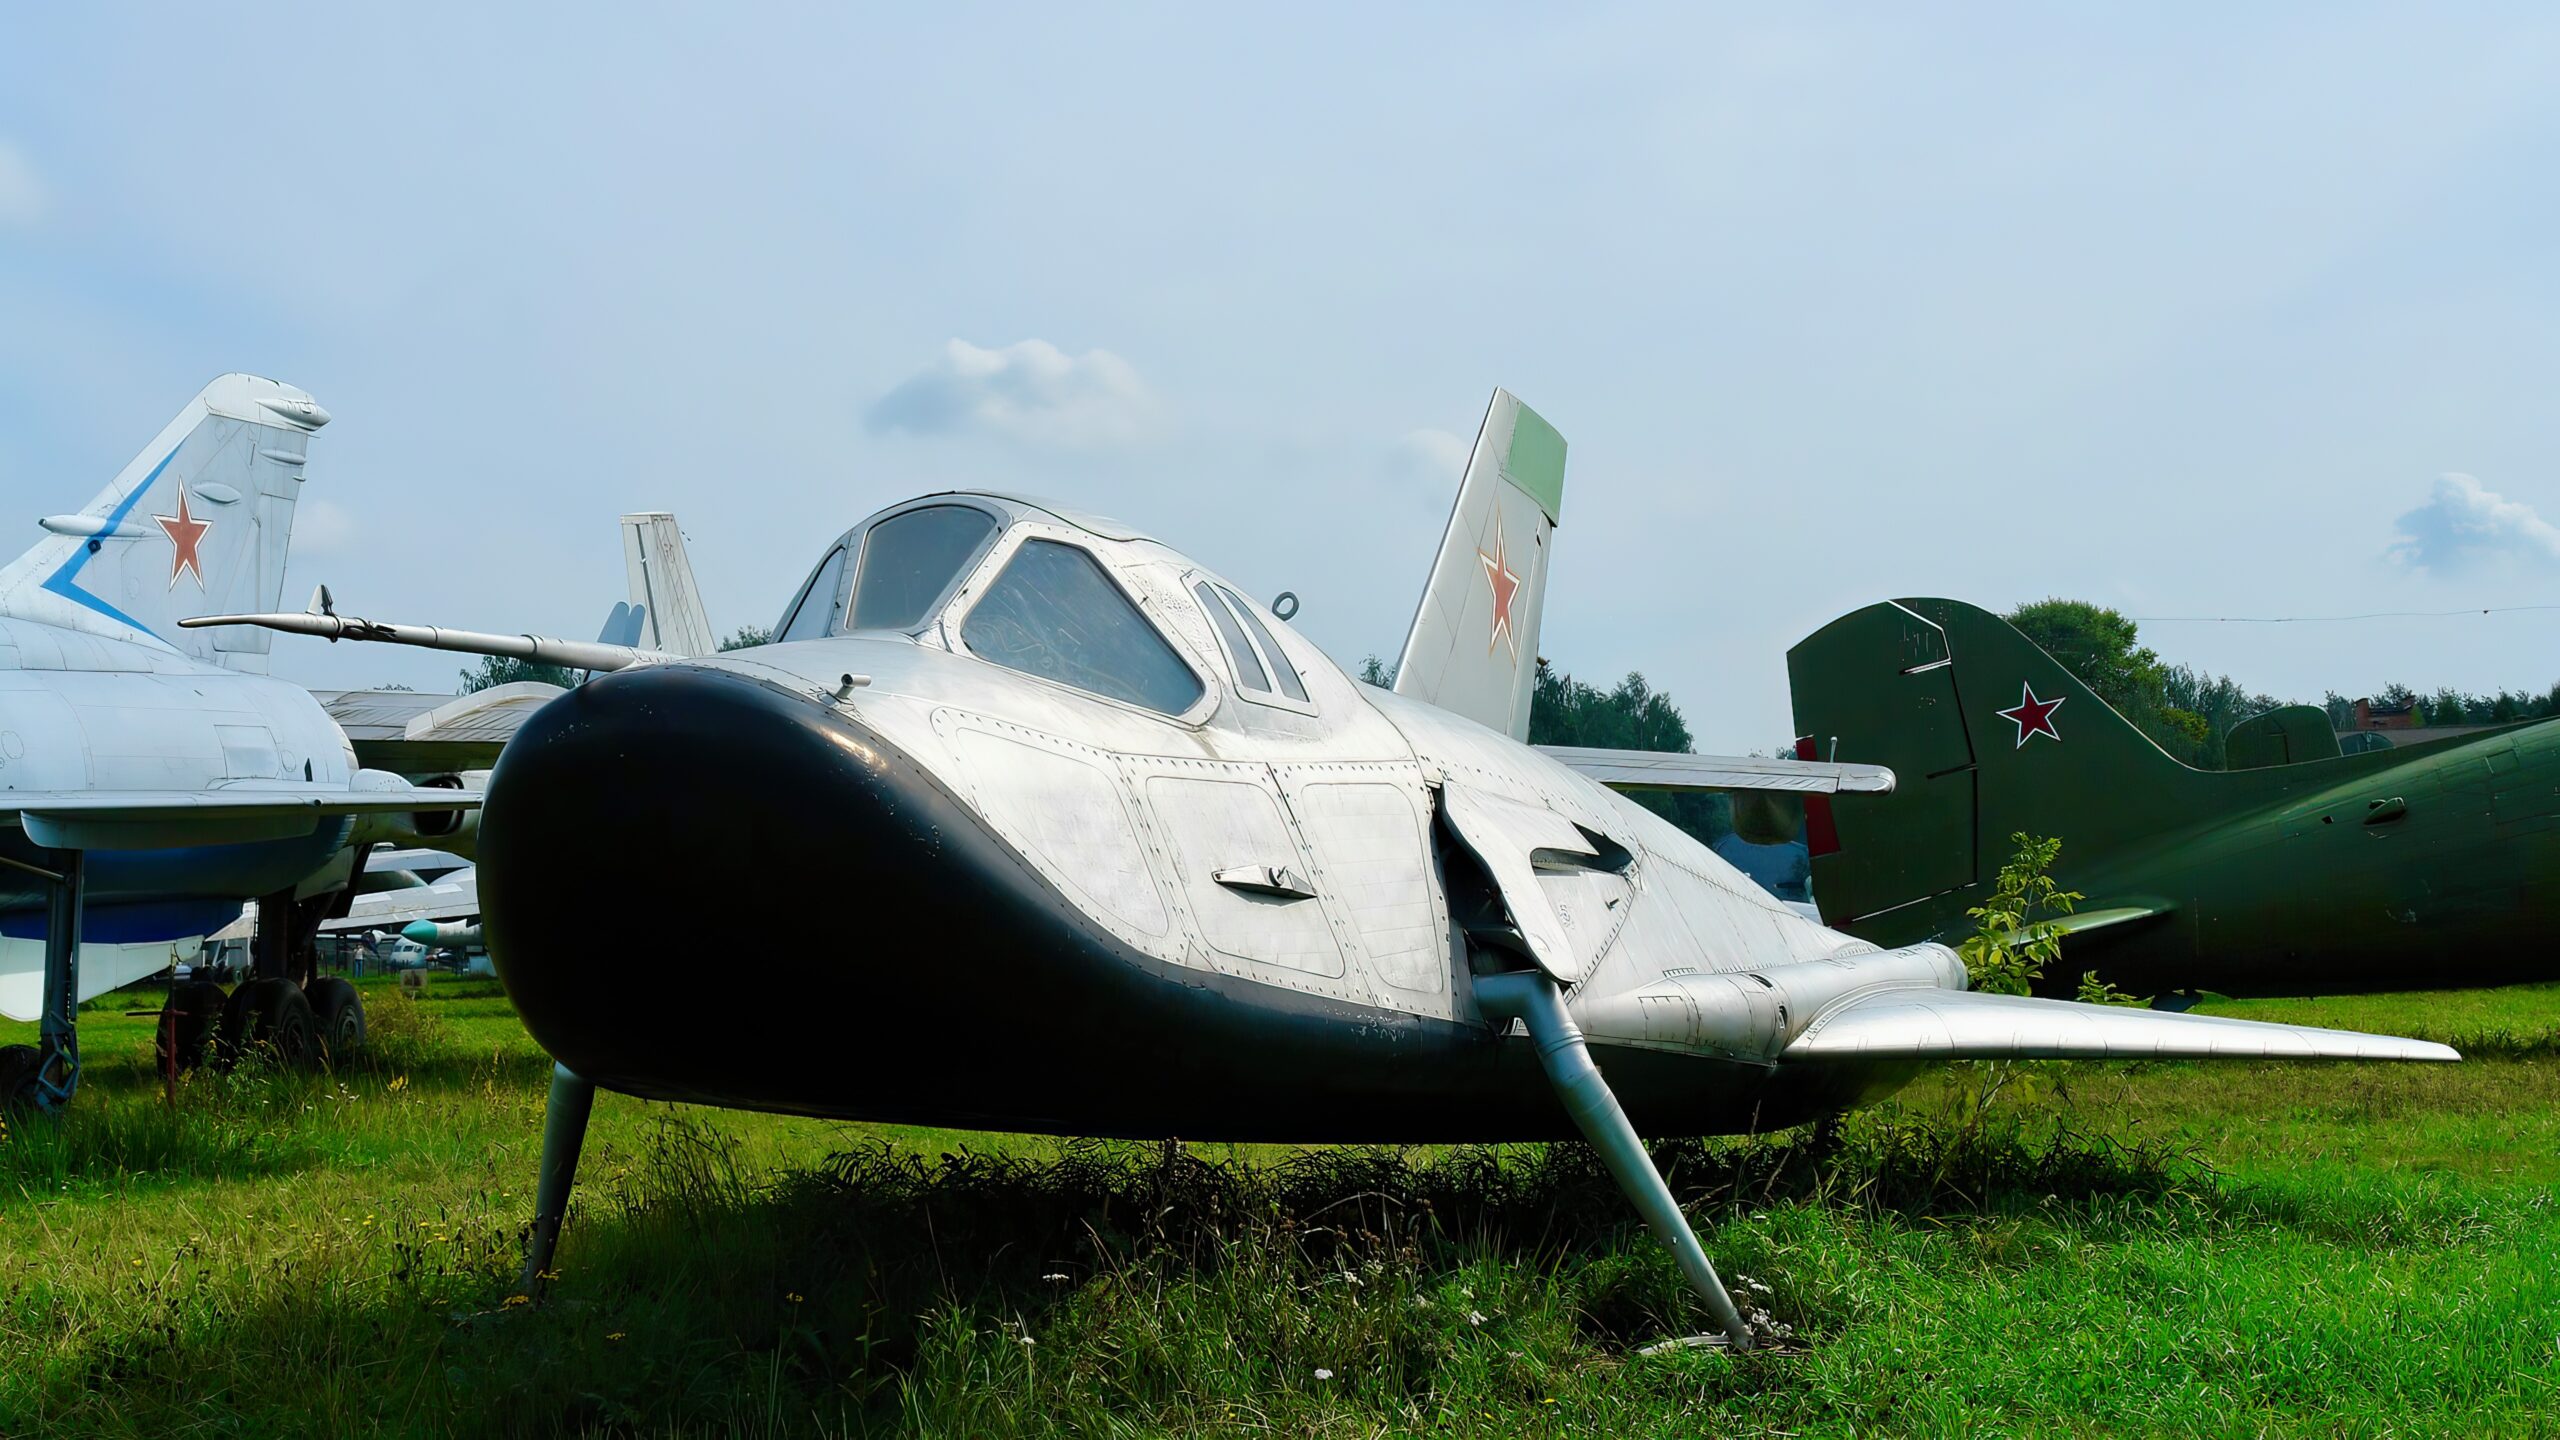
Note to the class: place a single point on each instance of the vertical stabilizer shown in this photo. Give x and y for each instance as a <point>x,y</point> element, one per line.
<point>1473,649</point>
<point>662,588</point>
<point>1987,736</point>
<point>197,524</point>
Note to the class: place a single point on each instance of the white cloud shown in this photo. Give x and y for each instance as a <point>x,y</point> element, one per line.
<point>1423,467</point>
<point>23,200</point>
<point>1433,455</point>
<point>1031,392</point>
<point>2462,524</point>
<point>322,527</point>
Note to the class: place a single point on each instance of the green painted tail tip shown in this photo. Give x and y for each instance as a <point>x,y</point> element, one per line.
<point>1536,461</point>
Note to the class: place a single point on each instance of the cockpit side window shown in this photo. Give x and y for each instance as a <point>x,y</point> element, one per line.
<point>814,613</point>
<point>1249,674</point>
<point>1290,685</point>
<point>909,561</point>
<point>1054,613</point>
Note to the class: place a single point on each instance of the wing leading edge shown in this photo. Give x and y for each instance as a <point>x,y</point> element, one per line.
<point>1664,770</point>
<point>1929,1024</point>
<point>162,819</point>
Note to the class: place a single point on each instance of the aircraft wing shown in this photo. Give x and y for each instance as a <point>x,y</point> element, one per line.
<point>410,733</point>
<point>164,819</point>
<point>1663,770</point>
<point>1929,1024</point>
<point>454,897</point>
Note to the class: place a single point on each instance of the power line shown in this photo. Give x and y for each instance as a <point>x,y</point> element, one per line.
<point>2329,619</point>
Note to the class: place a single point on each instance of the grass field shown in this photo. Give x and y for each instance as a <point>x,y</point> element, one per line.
<point>2150,1249</point>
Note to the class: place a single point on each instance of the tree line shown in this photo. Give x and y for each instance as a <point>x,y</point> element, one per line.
<point>2190,713</point>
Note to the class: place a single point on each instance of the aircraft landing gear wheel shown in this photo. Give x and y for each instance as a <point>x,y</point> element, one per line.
<point>266,1016</point>
<point>188,1023</point>
<point>18,1067</point>
<point>338,1015</point>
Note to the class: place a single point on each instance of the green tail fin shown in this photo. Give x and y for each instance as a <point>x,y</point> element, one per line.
<point>1987,736</point>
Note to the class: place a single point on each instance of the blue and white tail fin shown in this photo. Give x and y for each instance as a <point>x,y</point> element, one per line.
<point>198,524</point>
<point>1473,649</point>
<point>664,598</point>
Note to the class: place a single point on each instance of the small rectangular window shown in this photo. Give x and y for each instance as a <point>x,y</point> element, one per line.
<point>1280,666</point>
<point>1249,674</point>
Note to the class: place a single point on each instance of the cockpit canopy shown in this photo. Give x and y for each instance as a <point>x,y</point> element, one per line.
<point>1048,605</point>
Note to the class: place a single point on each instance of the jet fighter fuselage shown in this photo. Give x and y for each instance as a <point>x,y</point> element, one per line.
<point>88,713</point>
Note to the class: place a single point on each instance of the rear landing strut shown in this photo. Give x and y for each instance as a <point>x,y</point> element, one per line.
<point>1532,999</point>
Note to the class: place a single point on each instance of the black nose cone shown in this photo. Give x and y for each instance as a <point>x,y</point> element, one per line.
<point>701,886</point>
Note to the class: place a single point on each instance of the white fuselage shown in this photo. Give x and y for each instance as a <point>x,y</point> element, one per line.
<point>1135,814</point>
<point>85,712</point>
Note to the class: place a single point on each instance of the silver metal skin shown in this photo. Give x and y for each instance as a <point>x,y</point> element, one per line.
<point>1532,999</point>
<point>663,594</point>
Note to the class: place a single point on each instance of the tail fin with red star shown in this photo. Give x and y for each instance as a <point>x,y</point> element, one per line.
<point>1473,649</point>
<point>197,524</point>
<point>1987,736</point>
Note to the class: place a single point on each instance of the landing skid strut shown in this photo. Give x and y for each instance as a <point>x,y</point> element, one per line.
<point>564,1131</point>
<point>1532,999</point>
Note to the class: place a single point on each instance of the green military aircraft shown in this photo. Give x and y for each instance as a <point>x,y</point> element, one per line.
<point>2299,870</point>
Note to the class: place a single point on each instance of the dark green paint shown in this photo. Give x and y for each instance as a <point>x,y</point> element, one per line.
<point>2437,864</point>
<point>2286,735</point>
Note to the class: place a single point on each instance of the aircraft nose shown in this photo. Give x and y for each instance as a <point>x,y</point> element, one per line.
<point>669,852</point>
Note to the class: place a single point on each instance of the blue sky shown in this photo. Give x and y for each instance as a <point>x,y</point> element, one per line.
<point>2184,312</point>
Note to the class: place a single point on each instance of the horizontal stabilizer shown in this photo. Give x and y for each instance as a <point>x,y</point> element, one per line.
<point>2109,917</point>
<point>1930,1024</point>
<point>453,897</point>
<point>103,967</point>
<point>1663,770</point>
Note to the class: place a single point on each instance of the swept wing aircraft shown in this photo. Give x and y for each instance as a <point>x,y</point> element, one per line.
<point>153,778</point>
<point>1074,837</point>
<point>2300,870</point>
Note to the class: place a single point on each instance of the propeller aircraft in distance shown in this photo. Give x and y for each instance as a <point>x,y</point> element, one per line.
<point>1105,848</point>
<point>2299,870</point>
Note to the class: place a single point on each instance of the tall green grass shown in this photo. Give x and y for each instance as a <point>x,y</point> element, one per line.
<point>2153,1249</point>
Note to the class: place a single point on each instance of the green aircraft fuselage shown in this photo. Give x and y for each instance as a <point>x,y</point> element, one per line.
<point>2433,865</point>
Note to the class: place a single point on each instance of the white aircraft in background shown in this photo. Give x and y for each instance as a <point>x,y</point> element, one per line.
<point>153,778</point>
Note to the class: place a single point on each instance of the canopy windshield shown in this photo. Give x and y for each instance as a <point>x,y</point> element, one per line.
<point>910,561</point>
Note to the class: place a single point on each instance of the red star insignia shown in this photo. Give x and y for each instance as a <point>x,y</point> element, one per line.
<point>186,536</point>
<point>1506,584</point>
<point>2034,716</point>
